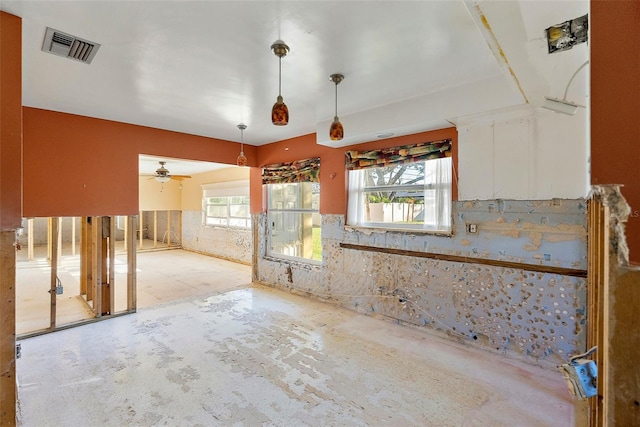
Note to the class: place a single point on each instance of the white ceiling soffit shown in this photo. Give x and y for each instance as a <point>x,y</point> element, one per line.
<point>147,165</point>
<point>202,67</point>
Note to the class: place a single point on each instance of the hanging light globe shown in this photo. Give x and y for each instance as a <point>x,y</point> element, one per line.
<point>280,112</point>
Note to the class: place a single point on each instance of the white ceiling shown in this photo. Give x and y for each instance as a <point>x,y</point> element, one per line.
<point>202,67</point>
<point>147,165</point>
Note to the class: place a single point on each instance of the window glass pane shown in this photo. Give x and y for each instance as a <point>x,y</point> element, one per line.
<point>227,211</point>
<point>239,211</point>
<point>398,207</point>
<point>293,196</point>
<point>412,173</point>
<point>216,210</point>
<point>217,201</point>
<point>293,234</point>
<point>239,200</point>
<point>294,220</point>
<point>415,196</point>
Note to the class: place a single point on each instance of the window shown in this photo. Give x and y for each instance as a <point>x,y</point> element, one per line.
<point>293,214</point>
<point>226,204</point>
<point>294,220</point>
<point>410,194</point>
<point>227,211</point>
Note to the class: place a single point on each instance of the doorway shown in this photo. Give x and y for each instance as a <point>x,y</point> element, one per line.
<point>73,270</point>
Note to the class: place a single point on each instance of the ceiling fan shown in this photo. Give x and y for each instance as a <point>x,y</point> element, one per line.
<point>163,175</point>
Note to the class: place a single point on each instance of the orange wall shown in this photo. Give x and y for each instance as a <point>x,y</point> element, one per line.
<point>81,166</point>
<point>333,176</point>
<point>615,105</point>
<point>333,195</point>
<point>10,121</point>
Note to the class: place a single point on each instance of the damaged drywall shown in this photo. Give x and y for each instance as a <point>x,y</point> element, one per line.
<point>234,244</point>
<point>619,211</point>
<point>536,314</point>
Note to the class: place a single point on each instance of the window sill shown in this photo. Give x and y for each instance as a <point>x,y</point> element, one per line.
<point>372,229</point>
<point>310,264</point>
<point>227,227</point>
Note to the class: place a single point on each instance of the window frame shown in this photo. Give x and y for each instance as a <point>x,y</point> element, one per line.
<point>226,221</point>
<point>226,190</point>
<point>269,188</point>
<point>361,191</point>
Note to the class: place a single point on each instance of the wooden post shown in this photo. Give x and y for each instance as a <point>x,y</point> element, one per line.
<point>168,229</point>
<point>624,348</point>
<point>54,270</point>
<point>8,328</point>
<point>73,235</point>
<point>131,265</point>
<point>11,163</point>
<point>126,233</point>
<point>105,292</point>
<point>96,258</point>
<point>179,236</point>
<point>30,239</point>
<point>155,229</point>
<point>598,273</point>
<point>112,265</point>
<point>613,325</point>
<point>140,224</point>
<point>86,265</point>
<point>49,238</point>
<point>83,256</point>
<point>59,240</point>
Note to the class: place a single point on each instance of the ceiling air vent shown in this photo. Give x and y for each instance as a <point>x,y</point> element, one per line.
<point>63,44</point>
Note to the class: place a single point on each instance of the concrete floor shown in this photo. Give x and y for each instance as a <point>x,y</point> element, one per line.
<point>251,355</point>
<point>158,281</point>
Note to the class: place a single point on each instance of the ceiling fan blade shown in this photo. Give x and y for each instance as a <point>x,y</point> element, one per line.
<point>180,177</point>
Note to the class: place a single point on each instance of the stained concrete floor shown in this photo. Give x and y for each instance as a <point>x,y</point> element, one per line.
<point>252,356</point>
<point>163,276</point>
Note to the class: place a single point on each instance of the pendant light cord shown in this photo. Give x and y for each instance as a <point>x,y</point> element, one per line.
<point>336,100</point>
<point>279,76</point>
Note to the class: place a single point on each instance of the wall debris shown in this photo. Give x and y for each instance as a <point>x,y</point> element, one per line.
<point>535,314</point>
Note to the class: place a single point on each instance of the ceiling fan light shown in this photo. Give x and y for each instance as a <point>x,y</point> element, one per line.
<point>280,113</point>
<point>336,131</point>
<point>162,173</point>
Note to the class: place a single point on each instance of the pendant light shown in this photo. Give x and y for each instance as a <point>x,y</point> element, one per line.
<point>242,159</point>
<point>336,131</point>
<point>280,112</point>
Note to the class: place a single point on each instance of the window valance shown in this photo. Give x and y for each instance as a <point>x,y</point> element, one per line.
<point>398,155</point>
<point>307,170</point>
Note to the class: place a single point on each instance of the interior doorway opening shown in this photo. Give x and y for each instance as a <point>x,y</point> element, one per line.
<point>73,270</point>
<point>159,230</point>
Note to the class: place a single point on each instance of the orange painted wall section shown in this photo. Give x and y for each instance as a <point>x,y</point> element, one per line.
<point>332,197</point>
<point>10,121</point>
<point>82,166</point>
<point>333,176</point>
<point>615,105</point>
